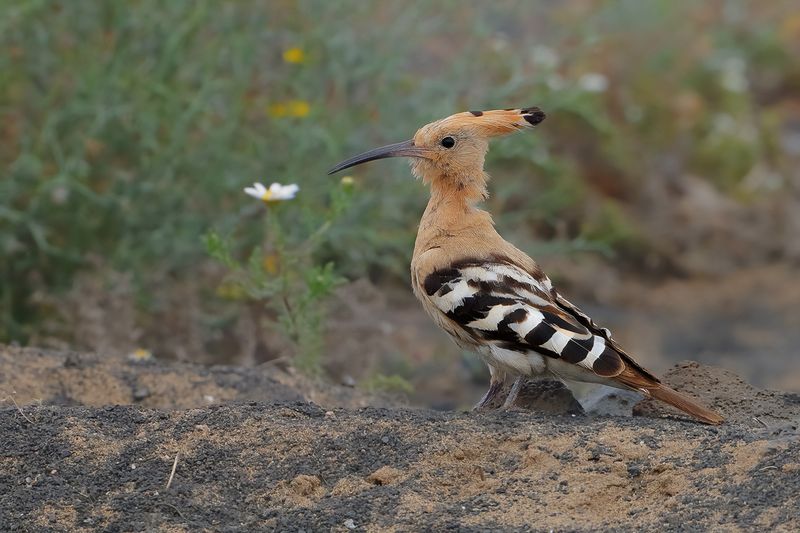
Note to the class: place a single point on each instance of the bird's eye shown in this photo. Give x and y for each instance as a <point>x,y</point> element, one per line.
<point>448,142</point>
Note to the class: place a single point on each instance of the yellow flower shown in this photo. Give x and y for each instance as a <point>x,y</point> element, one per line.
<point>292,108</point>
<point>140,354</point>
<point>347,181</point>
<point>294,55</point>
<point>277,110</point>
<point>270,264</point>
<point>299,108</point>
<point>230,291</point>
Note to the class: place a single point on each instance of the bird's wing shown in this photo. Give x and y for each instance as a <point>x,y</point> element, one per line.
<point>499,303</point>
<point>587,321</point>
<point>502,304</point>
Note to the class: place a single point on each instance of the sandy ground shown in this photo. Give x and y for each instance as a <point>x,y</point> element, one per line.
<point>271,460</point>
<point>34,376</point>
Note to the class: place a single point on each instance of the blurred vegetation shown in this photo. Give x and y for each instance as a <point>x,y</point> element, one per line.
<point>282,276</point>
<point>128,129</point>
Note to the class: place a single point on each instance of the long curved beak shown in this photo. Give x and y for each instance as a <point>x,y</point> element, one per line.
<point>403,149</point>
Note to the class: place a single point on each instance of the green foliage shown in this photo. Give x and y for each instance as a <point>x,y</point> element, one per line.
<point>127,129</point>
<point>284,274</point>
<point>393,384</point>
<point>611,228</point>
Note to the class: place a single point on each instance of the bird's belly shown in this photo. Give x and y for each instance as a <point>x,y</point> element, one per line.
<point>512,361</point>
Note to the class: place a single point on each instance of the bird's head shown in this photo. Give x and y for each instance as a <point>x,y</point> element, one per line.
<point>451,151</point>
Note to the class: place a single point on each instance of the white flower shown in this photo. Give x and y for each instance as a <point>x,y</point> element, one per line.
<point>733,75</point>
<point>593,82</point>
<point>555,82</point>
<point>275,193</point>
<point>545,57</point>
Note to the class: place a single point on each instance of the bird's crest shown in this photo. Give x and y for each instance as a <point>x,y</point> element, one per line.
<point>493,123</point>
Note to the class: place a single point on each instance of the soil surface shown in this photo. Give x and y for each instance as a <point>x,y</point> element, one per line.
<point>290,454</point>
<point>35,376</point>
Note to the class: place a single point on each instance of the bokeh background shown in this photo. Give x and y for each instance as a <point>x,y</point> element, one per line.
<point>662,193</point>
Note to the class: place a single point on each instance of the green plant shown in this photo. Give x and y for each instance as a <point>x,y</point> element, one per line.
<point>394,383</point>
<point>283,273</point>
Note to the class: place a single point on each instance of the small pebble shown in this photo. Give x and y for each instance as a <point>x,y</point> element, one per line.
<point>140,394</point>
<point>349,524</point>
<point>634,470</point>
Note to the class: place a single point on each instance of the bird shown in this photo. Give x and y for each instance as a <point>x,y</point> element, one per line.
<point>487,294</point>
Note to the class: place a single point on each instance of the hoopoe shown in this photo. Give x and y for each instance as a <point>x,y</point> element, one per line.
<point>488,295</point>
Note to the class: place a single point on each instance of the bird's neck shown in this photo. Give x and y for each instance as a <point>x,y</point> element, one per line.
<point>465,188</point>
<point>452,214</point>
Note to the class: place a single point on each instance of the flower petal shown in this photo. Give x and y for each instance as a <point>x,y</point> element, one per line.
<point>275,193</point>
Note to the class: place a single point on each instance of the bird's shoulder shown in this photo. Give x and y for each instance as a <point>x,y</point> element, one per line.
<point>494,275</point>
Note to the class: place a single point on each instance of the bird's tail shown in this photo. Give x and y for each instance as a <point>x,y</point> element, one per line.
<point>659,391</point>
<point>674,398</point>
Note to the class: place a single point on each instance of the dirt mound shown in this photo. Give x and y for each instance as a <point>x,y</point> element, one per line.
<point>284,464</point>
<point>56,377</point>
<point>738,401</point>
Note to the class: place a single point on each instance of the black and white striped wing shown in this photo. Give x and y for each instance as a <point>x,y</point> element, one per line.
<point>501,304</point>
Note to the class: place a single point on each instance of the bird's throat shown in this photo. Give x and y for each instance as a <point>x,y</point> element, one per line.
<point>459,190</point>
<point>452,214</point>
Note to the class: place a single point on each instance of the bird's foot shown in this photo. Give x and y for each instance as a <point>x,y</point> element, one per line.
<point>494,389</point>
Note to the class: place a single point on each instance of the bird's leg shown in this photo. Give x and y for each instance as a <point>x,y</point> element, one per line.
<point>513,393</point>
<point>497,381</point>
<point>495,386</point>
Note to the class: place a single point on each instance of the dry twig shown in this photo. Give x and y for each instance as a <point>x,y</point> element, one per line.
<point>172,474</point>
<point>11,397</point>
